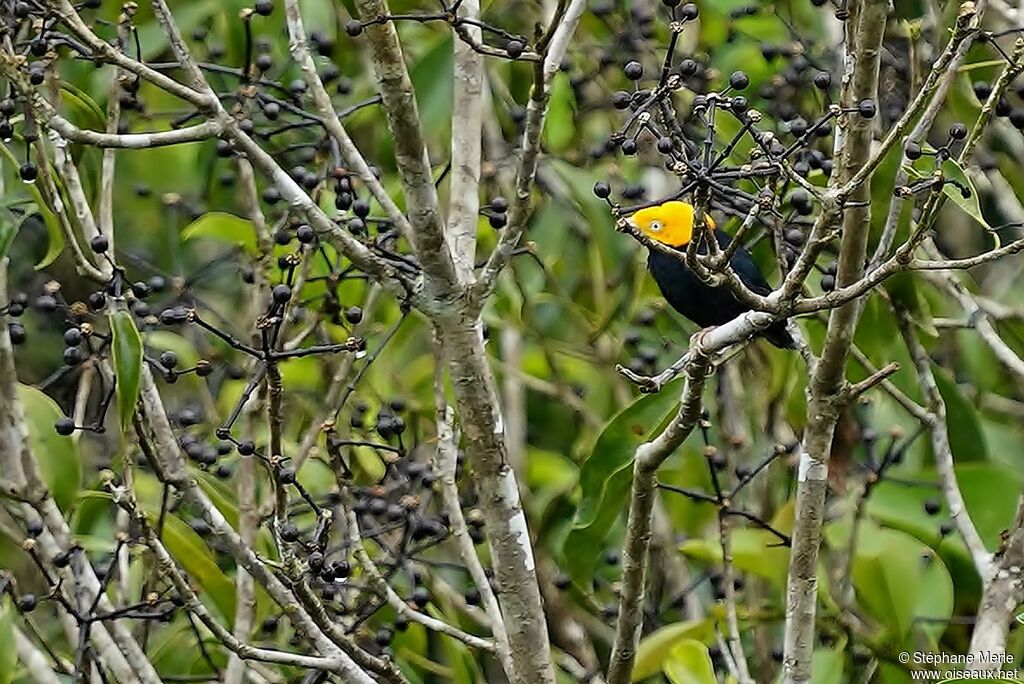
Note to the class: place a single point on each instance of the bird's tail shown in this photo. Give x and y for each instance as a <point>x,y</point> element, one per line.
<point>779,336</point>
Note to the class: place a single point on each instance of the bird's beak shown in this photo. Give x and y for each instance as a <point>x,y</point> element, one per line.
<point>625,224</point>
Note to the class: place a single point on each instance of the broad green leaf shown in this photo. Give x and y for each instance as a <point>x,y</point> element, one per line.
<point>187,16</point>
<point>902,507</point>
<point>892,673</point>
<point>8,654</point>
<point>559,127</point>
<point>615,447</point>
<point>220,495</point>
<point>827,666</point>
<point>54,235</point>
<point>690,663</point>
<point>9,226</point>
<point>320,15</point>
<point>165,340</point>
<point>127,352</point>
<point>432,80</point>
<point>935,599</point>
<point>57,456</point>
<point>223,227</point>
<point>172,647</point>
<point>887,573</point>
<point>605,476</point>
<point>969,204</point>
<point>657,647</point>
<point>990,494</point>
<point>966,438</point>
<point>192,554</point>
<point>92,115</point>
<point>583,545</point>
<point>549,475</point>
<point>753,550</point>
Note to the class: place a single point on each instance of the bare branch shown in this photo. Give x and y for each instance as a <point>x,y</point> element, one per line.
<point>33,659</point>
<point>467,140</point>
<point>943,453</point>
<point>102,49</point>
<point>411,156</point>
<point>519,211</point>
<point>395,601</point>
<point>865,29</point>
<point>1000,598</point>
<point>134,141</point>
<point>299,48</point>
<point>647,460</point>
<point>446,462</point>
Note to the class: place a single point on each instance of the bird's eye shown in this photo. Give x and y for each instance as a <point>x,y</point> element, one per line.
<point>655,226</point>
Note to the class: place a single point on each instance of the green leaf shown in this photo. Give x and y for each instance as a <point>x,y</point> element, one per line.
<point>990,495</point>
<point>57,456</point>
<point>549,475</point>
<point>690,663</point>
<point>192,554</point>
<point>753,550</point>
<point>905,295</point>
<point>220,496</point>
<point>560,127</point>
<point>615,446</point>
<point>127,351</point>
<point>54,235</point>
<point>935,600</point>
<point>93,116</point>
<point>223,227</point>
<point>886,574</point>
<point>656,648</point>
<point>165,340</point>
<point>827,666</point>
<point>9,226</point>
<point>435,89</point>
<point>188,16</point>
<point>970,204</point>
<point>583,545</point>
<point>321,15</point>
<point>8,654</point>
<point>966,438</point>
<point>605,476</point>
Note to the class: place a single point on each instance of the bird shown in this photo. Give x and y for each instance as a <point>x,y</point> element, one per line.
<point>671,224</point>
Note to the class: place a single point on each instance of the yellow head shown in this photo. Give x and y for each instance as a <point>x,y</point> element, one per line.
<point>670,223</point>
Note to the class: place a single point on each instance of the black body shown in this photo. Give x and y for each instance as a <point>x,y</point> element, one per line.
<point>710,306</point>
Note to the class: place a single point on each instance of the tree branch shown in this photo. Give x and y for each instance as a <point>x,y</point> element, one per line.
<point>411,156</point>
<point>865,29</point>
<point>938,428</point>
<point>647,459</point>
<point>519,211</point>
<point>467,137</point>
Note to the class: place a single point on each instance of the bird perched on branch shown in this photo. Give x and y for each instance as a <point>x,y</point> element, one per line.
<point>672,224</point>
